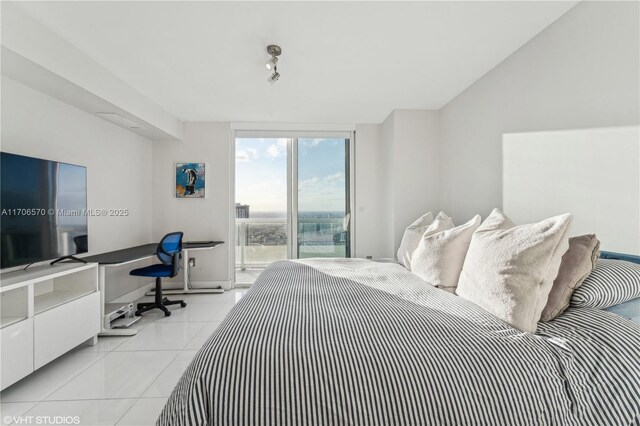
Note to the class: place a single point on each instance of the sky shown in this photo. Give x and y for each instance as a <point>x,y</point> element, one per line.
<point>261,174</point>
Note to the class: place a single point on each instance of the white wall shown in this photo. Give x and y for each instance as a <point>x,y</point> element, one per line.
<point>118,162</point>
<point>600,174</point>
<point>416,167</point>
<point>581,72</point>
<point>199,219</point>
<point>370,202</point>
<point>388,187</point>
<point>411,170</point>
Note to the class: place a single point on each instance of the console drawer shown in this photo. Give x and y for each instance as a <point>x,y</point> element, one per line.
<point>59,330</point>
<point>16,342</point>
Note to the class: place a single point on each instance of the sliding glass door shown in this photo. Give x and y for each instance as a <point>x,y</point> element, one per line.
<point>292,200</point>
<point>322,204</point>
<point>261,192</point>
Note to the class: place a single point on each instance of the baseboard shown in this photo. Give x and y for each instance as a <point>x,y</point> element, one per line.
<point>241,285</point>
<point>171,285</point>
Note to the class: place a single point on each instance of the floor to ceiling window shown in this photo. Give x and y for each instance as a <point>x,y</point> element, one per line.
<point>292,199</point>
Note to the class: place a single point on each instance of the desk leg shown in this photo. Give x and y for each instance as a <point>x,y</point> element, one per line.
<point>185,286</point>
<point>109,331</point>
<point>187,267</point>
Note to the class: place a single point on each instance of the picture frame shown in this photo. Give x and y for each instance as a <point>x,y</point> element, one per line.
<point>190,180</point>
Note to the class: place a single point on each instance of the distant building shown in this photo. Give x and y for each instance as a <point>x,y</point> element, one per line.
<point>242,211</point>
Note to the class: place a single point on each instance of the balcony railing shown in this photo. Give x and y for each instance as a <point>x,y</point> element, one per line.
<point>262,241</point>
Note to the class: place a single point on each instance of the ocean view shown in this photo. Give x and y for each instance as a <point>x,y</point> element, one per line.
<point>320,234</point>
<point>301,215</point>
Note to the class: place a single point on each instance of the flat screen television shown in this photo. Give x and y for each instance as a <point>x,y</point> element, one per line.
<point>43,208</point>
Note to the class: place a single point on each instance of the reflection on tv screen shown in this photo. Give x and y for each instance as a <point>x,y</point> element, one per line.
<point>43,209</point>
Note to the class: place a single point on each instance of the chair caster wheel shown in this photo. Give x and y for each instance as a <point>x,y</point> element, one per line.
<point>183,304</point>
<point>138,314</point>
<point>167,314</point>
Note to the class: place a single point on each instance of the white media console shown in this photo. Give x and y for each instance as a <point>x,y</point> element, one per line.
<point>45,311</point>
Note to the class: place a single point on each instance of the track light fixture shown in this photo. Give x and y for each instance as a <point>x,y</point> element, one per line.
<point>272,63</point>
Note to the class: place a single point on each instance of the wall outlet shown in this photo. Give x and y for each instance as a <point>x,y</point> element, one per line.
<point>192,262</point>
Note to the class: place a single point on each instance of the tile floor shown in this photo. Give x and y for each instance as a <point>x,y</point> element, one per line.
<point>121,380</point>
<point>247,276</point>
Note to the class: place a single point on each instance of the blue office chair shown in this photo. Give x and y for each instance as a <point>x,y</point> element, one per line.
<point>169,252</point>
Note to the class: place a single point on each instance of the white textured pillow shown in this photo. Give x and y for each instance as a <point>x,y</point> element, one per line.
<point>411,238</point>
<point>440,223</point>
<point>509,270</point>
<point>440,255</point>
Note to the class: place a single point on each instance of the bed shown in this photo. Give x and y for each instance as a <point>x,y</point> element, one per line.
<point>366,343</point>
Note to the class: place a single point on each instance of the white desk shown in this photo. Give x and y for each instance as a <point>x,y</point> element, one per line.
<point>119,258</point>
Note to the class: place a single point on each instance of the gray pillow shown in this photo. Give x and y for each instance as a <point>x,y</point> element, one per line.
<point>610,283</point>
<point>577,263</point>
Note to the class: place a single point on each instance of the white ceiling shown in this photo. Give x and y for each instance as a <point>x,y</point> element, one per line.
<point>342,61</point>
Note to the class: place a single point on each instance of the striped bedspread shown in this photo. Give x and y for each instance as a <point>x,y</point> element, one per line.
<point>355,342</point>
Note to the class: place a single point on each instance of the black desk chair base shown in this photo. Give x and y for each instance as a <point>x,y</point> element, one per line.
<point>160,302</point>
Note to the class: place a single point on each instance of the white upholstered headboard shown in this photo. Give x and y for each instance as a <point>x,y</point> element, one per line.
<point>592,173</point>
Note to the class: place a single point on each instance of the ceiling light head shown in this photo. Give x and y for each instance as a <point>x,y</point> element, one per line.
<point>271,63</point>
<point>274,77</point>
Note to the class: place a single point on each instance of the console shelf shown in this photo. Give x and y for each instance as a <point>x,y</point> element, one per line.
<point>38,274</point>
<point>14,306</point>
<point>6,321</point>
<point>56,298</point>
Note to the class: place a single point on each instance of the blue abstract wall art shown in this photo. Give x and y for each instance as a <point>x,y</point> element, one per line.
<point>190,180</point>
